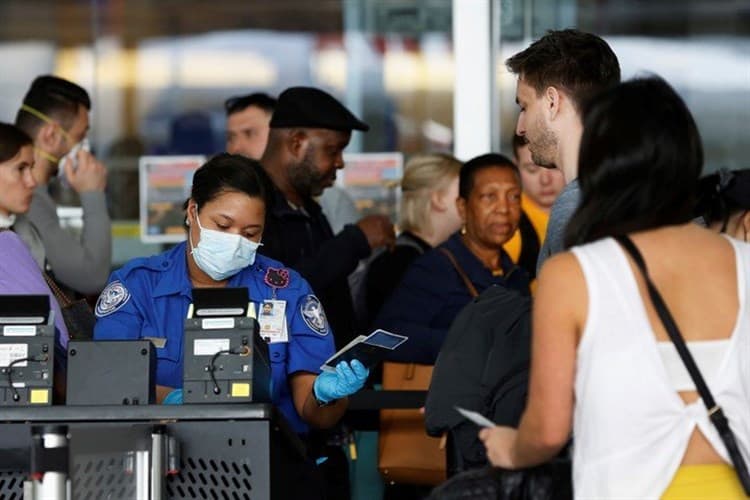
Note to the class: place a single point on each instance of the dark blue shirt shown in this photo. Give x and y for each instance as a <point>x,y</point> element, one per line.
<point>432,293</point>
<point>149,298</point>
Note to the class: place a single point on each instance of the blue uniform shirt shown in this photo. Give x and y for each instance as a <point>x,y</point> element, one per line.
<point>149,298</point>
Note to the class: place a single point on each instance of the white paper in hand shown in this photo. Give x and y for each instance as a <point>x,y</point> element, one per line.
<point>475,417</point>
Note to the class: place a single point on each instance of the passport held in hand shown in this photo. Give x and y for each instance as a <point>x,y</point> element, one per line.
<point>367,349</point>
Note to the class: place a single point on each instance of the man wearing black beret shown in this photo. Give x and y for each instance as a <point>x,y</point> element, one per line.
<point>309,131</point>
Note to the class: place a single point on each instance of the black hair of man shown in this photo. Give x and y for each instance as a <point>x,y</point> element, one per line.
<point>12,139</point>
<point>722,194</point>
<point>242,102</point>
<point>470,168</point>
<point>55,97</point>
<point>582,64</point>
<point>640,161</point>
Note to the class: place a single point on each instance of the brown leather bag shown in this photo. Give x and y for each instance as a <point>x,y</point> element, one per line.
<point>406,454</point>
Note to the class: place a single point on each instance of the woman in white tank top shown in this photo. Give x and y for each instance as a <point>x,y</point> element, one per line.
<point>602,367</point>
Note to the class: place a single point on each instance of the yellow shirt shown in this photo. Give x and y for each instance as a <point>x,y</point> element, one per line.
<point>539,219</point>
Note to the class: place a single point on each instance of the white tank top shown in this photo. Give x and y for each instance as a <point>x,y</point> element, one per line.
<point>631,428</point>
<point>707,354</point>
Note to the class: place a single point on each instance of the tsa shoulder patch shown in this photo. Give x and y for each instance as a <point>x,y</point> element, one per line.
<point>313,314</point>
<point>112,299</point>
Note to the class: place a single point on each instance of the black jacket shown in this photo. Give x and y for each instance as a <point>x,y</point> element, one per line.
<point>431,295</point>
<point>482,366</point>
<point>303,240</point>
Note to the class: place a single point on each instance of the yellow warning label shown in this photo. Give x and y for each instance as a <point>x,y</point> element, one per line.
<point>240,390</point>
<point>39,396</point>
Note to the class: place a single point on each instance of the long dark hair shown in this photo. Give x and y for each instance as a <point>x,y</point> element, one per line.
<point>639,162</point>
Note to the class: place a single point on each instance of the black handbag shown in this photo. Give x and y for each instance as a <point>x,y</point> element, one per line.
<point>715,413</point>
<point>77,315</point>
<point>549,481</point>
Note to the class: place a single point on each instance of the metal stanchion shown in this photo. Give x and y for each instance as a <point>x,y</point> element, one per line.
<point>158,462</point>
<point>142,474</point>
<point>49,465</point>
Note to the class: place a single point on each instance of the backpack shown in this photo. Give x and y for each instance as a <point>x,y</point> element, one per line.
<point>358,282</point>
<point>482,366</point>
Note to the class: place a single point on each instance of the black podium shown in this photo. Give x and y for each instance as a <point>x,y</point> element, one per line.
<point>225,451</point>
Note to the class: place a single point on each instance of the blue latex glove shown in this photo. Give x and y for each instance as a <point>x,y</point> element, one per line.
<point>348,379</point>
<point>173,398</point>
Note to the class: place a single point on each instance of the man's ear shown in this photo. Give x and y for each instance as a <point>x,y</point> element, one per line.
<point>47,136</point>
<point>552,102</point>
<point>297,142</point>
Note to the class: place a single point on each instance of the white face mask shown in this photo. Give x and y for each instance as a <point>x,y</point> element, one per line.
<point>7,221</point>
<point>220,254</point>
<point>72,155</point>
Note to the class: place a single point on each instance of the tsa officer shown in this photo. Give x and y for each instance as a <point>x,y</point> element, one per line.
<point>149,297</point>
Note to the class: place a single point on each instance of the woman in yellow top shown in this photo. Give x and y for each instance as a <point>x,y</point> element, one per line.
<point>540,189</point>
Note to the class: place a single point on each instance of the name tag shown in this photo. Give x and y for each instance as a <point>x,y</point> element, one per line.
<point>272,321</point>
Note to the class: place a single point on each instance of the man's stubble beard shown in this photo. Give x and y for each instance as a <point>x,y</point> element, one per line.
<point>305,178</point>
<point>544,147</point>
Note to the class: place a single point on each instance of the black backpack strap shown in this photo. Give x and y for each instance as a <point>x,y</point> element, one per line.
<point>405,240</point>
<point>715,413</point>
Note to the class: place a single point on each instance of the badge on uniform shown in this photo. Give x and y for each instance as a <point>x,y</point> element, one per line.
<point>276,278</point>
<point>313,314</point>
<point>272,321</point>
<point>112,299</point>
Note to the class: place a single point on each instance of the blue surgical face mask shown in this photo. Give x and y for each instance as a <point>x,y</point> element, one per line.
<point>220,254</point>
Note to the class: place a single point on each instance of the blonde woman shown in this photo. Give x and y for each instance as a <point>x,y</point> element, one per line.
<point>428,216</point>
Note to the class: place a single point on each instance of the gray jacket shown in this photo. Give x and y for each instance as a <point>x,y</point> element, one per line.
<point>80,263</point>
<point>561,213</point>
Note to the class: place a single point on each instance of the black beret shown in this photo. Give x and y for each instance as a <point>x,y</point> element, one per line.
<point>312,108</point>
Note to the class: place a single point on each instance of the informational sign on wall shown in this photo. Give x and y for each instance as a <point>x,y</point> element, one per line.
<point>165,183</point>
<point>372,180</point>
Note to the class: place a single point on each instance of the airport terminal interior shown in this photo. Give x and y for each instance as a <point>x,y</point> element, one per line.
<point>427,76</point>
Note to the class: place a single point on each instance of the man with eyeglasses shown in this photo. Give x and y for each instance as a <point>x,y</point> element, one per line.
<point>55,113</point>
